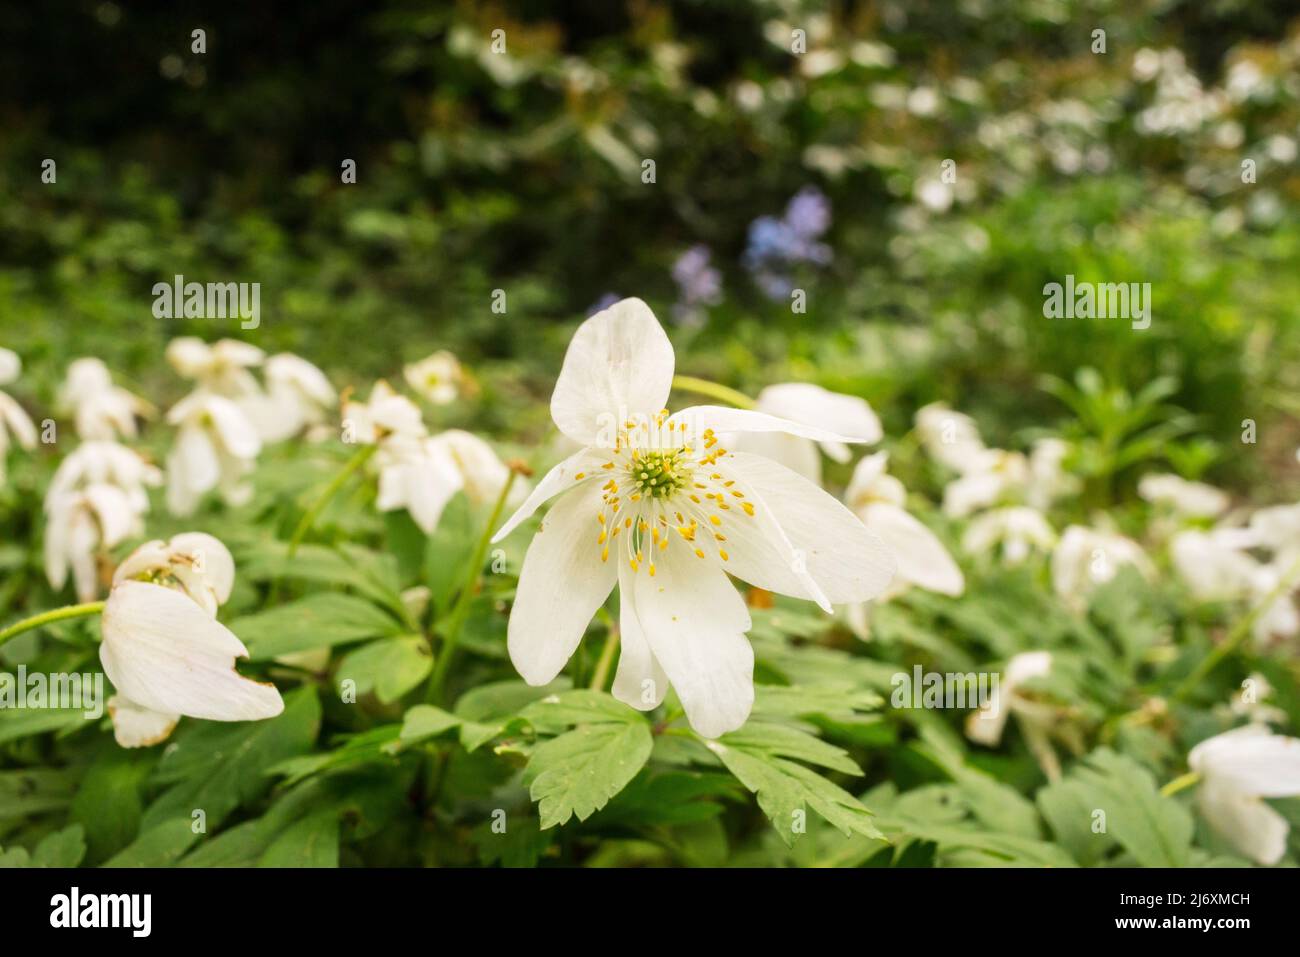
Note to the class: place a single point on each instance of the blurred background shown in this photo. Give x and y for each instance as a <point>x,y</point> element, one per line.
<point>919,170</point>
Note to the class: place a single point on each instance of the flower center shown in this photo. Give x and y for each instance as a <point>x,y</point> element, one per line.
<point>666,488</point>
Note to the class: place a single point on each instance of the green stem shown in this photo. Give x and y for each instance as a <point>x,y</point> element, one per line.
<point>1180,783</point>
<point>313,511</point>
<point>722,393</point>
<point>606,660</point>
<point>1238,634</point>
<point>456,620</point>
<point>48,617</point>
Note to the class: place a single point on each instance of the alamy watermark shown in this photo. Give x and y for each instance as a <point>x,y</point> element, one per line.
<point>1107,300</point>
<point>37,691</point>
<point>214,300</point>
<point>936,689</point>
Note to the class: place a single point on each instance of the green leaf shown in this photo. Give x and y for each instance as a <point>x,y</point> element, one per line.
<point>1155,829</point>
<point>160,846</point>
<point>425,721</point>
<point>785,790</point>
<point>317,621</point>
<point>390,667</point>
<point>579,771</point>
<point>310,842</point>
<point>108,804</point>
<point>216,767</point>
<point>34,791</point>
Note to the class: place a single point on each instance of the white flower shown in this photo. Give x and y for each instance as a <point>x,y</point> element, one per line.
<point>482,473</point>
<point>12,417</point>
<point>1191,499</point>
<point>1086,558</point>
<point>921,559</point>
<point>163,648</point>
<point>81,525</point>
<point>991,475</point>
<point>1211,570</point>
<point>1238,769</point>
<point>1016,531</point>
<point>11,366</point>
<point>438,378</point>
<point>386,413</point>
<point>1048,480</point>
<point>221,368</point>
<point>101,410</point>
<point>1278,529</point>
<point>106,463</point>
<point>814,406</point>
<point>986,725</point>
<point>950,438</point>
<point>215,447</point>
<point>655,503</point>
<point>297,395</point>
<point>418,475</point>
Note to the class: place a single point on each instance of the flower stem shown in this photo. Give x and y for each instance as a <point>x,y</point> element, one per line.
<point>49,617</point>
<point>313,511</point>
<point>1238,634</point>
<point>722,393</point>
<point>456,620</point>
<point>606,660</point>
<point>1180,783</point>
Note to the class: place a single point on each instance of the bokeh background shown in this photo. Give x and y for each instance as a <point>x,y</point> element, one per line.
<point>522,171</point>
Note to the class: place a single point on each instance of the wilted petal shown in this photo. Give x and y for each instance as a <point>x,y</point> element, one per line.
<point>164,652</point>
<point>137,727</point>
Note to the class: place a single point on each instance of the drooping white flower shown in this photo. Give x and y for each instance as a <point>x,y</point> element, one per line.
<point>986,725</point>
<point>1211,570</point>
<point>921,559</point>
<point>992,475</point>
<point>1238,769</point>
<point>163,649</point>
<point>1191,499</point>
<point>950,438</point>
<point>297,396</point>
<point>13,420</point>
<point>215,448</point>
<point>81,526</point>
<point>438,377</point>
<point>106,463</point>
<point>386,413</point>
<point>101,410</point>
<point>1087,557</point>
<point>482,473</point>
<point>221,368</point>
<point>417,475</point>
<point>656,504</point>
<point>814,406</point>
<point>1048,480</point>
<point>1014,532</point>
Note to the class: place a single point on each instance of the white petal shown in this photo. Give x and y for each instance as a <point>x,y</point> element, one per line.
<point>920,557</point>
<point>237,433</point>
<point>695,622</point>
<point>697,418</point>
<point>986,725</point>
<point>562,583</point>
<point>137,727</point>
<point>19,422</point>
<point>619,364</point>
<point>640,680</point>
<point>563,476</point>
<point>798,455</point>
<point>827,554</point>
<point>162,651</point>
<point>813,405</point>
<point>1252,760</point>
<point>192,469</point>
<point>1247,823</point>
